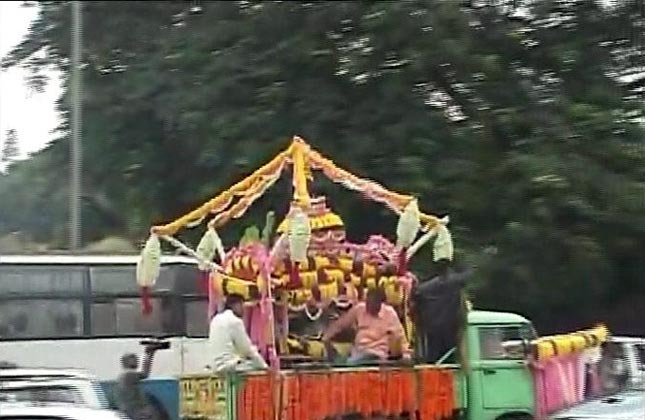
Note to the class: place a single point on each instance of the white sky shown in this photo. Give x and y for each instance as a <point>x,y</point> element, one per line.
<point>31,114</point>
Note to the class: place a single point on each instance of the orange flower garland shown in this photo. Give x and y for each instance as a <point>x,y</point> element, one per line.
<point>318,395</point>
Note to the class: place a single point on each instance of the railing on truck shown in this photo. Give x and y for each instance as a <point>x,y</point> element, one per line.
<point>426,391</point>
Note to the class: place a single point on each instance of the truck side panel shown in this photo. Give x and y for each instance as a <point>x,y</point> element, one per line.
<point>162,394</point>
<point>437,392</point>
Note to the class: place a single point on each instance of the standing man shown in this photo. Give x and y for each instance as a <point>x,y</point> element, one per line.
<point>232,348</point>
<point>440,309</point>
<point>130,398</point>
<point>377,327</point>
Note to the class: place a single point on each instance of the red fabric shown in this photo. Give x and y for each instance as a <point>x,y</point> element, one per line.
<point>294,275</point>
<point>403,262</point>
<point>203,281</point>
<point>146,301</point>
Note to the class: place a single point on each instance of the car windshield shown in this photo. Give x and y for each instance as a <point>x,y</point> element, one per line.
<point>41,393</point>
<point>639,382</point>
<point>615,372</point>
<point>640,353</point>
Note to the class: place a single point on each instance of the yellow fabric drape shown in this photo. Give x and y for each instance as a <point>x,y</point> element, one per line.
<point>299,156</point>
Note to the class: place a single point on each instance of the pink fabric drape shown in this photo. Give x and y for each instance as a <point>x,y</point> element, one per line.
<point>559,383</point>
<point>255,324</point>
<point>213,299</point>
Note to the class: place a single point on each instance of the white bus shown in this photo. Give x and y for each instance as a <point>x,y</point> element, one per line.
<point>84,312</point>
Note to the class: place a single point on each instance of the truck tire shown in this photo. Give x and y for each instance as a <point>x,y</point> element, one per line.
<point>516,416</point>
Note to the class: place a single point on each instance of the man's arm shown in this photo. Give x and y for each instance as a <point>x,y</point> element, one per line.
<point>340,324</point>
<point>441,284</point>
<point>148,356</point>
<point>244,345</point>
<point>459,278</point>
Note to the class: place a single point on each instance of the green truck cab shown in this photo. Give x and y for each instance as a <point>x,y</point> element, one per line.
<point>497,381</point>
<point>494,383</point>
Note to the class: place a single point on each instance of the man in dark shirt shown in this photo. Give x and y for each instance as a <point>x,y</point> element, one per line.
<point>439,311</point>
<point>130,398</point>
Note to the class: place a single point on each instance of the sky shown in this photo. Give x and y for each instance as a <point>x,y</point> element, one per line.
<point>31,114</point>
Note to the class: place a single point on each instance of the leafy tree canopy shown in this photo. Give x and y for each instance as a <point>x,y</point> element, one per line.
<point>522,120</point>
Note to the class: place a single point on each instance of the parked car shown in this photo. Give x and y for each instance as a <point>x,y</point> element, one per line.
<point>626,405</point>
<point>631,350</point>
<point>626,356</point>
<point>51,385</point>
<point>24,411</point>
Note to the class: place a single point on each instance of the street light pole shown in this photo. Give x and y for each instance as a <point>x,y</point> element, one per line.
<point>75,226</point>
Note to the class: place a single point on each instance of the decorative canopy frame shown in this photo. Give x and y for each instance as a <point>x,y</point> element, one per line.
<point>304,159</point>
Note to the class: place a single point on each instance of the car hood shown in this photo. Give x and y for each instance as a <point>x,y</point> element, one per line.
<point>626,405</point>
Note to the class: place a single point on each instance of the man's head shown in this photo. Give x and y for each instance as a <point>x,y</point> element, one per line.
<point>442,266</point>
<point>312,305</point>
<point>374,300</point>
<point>235,303</point>
<point>129,361</point>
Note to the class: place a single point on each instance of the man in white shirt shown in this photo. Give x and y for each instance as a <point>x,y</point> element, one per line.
<point>231,345</point>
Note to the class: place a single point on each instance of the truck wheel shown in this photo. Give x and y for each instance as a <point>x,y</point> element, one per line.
<point>516,416</point>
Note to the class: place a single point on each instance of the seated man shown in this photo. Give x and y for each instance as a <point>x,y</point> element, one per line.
<point>377,327</point>
<point>231,345</point>
<point>307,326</point>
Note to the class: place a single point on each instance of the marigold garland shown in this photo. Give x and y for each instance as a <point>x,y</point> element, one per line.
<point>427,391</point>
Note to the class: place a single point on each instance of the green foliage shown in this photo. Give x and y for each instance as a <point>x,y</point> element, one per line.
<point>519,128</point>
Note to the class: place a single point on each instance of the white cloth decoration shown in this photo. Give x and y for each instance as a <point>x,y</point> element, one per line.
<point>188,251</point>
<point>425,238</point>
<point>208,246</point>
<point>409,225</point>
<point>443,248</point>
<point>149,263</point>
<point>299,235</point>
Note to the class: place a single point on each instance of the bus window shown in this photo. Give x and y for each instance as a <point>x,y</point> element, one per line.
<point>16,280</point>
<point>187,280</point>
<point>196,318</point>
<point>120,280</point>
<point>41,318</point>
<point>122,316</point>
<point>130,320</point>
<point>104,319</point>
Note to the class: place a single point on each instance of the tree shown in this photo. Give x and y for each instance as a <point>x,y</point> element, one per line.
<point>10,151</point>
<point>516,124</point>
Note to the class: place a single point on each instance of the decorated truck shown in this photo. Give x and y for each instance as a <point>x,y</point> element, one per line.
<point>302,275</point>
<point>498,381</point>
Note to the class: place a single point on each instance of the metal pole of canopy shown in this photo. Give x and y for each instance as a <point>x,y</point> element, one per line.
<point>75,224</point>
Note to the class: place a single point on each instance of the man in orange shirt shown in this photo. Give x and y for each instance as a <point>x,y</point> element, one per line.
<point>377,326</point>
